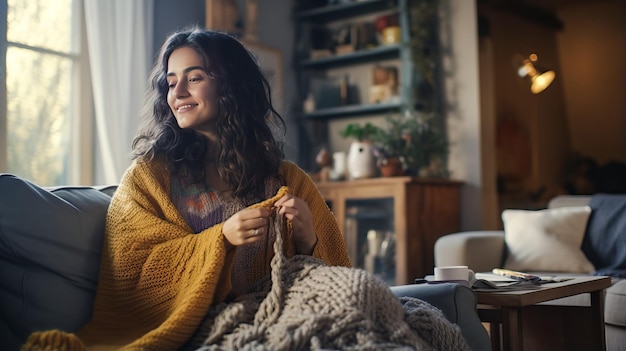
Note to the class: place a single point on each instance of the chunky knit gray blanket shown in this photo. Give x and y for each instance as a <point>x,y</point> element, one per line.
<point>308,305</point>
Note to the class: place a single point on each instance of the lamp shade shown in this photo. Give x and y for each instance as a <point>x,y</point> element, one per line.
<point>539,78</point>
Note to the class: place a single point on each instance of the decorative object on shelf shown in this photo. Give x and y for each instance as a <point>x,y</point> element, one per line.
<point>324,163</point>
<point>384,84</point>
<point>361,162</point>
<point>338,171</point>
<point>308,105</point>
<point>323,158</point>
<point>391,35</point>
<point>366,35</point>
<point>388,29</point>
<point>344,39</point>
<point>329,92</point>
<point>539,78</point>
<point>391,167</point>
<point>320,42</point>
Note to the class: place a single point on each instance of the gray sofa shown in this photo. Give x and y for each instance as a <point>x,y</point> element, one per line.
<point>50,243</point>
<point>484,250</point>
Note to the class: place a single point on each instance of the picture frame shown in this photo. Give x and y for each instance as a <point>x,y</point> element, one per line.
<point>222,15</point>
<point>271,62</point>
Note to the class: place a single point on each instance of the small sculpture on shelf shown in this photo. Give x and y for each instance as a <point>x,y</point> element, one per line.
<point>388,29</point>
<point>330,168</point>
<point>324,163</point>
<point>384,84</point>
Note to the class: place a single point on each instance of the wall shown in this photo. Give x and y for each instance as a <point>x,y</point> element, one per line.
<point>459,40</point>
<point>532,142</point>
<point>276,30</point>
<point>170,16</point>
<point>583,112</point>
<point>593,57</point>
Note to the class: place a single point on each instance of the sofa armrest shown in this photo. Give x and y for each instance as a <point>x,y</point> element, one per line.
<point>458,304</point>
<point>482,251</point>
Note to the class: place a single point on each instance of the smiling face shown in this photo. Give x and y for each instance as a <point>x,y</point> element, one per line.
<point>192,95</point>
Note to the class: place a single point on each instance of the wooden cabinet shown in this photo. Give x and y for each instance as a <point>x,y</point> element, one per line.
<point>417,211</point>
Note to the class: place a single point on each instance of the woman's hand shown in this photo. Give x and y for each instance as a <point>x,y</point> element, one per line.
<point>246,226</point>
<point>297,211</point>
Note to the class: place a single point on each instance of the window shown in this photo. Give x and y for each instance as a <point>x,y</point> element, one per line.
<point>48,94</point>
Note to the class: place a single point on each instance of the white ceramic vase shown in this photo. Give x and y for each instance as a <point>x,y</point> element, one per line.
<point>361,162</point>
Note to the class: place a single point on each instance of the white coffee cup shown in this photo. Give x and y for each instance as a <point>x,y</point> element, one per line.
<point>461,274</point>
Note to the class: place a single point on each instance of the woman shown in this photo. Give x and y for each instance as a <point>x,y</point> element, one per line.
<point>189,225</point>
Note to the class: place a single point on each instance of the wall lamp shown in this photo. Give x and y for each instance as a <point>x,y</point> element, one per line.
<point>539,78</point>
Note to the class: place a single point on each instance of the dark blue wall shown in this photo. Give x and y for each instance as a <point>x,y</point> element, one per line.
<point>170,16</point>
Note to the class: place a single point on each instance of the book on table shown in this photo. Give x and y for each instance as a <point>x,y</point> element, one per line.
<point>489,281</point>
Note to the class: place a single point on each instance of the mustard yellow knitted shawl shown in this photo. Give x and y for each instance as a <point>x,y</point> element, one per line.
<point>158,280</point>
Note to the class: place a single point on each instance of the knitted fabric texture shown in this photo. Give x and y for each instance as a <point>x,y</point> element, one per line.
<point>203,208</point>
<point>309,305</point>
<point>157,280</point>
<point>196,203</point>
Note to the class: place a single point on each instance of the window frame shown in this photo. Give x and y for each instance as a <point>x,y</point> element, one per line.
<point>4,7</point>
<point>82,152</point>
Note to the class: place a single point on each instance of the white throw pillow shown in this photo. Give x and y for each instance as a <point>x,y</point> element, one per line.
<point>547,240</point>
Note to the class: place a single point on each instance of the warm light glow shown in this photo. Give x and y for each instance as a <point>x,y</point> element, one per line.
<point>539,79</point>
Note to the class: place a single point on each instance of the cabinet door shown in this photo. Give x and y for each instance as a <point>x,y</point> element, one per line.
<point>370,236</point>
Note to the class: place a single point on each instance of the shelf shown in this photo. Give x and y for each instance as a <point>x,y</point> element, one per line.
<point>352,110</point>
<point>341,11</point>
<point>378,53</point>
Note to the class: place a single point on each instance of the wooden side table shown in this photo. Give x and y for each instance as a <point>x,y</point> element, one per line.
<point>506,309</point>
<point>423,210</point>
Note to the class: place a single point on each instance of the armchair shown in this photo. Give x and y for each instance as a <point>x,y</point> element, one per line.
<point>484,250</point>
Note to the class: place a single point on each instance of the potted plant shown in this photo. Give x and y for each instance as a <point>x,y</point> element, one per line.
<point>361,162</point>
<point>390,148</point>
<point>414,141</point>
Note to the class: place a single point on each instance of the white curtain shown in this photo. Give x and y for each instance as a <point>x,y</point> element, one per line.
<point>119,36</point>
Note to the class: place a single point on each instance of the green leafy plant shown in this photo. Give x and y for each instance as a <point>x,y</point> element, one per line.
<point>360,132</point>
<point>417,141</point>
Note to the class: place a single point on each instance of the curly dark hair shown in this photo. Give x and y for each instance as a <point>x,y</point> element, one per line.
<point>248,153</point>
